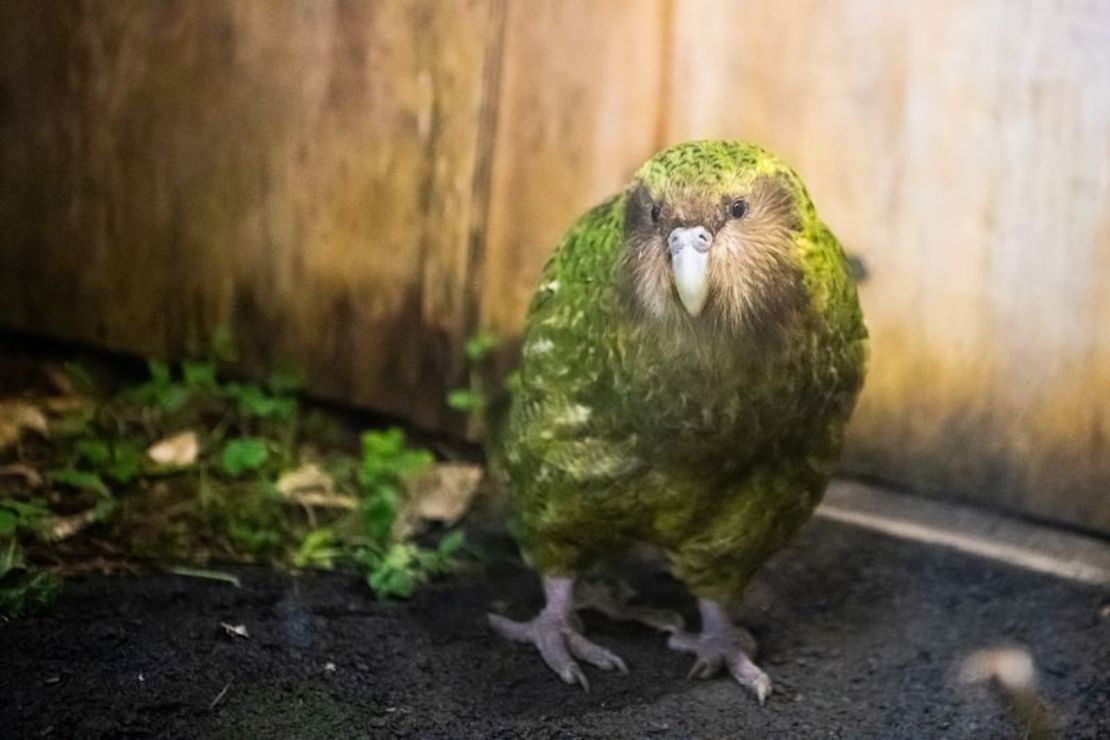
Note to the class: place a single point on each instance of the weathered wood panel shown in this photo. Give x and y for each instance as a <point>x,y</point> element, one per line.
<point>301,171</point>
<point>964,149</point>
<point>577,112</point>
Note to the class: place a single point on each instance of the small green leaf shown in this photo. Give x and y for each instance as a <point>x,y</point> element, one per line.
<point>243,455</point>
<point>74,424</point>
<point>379,512</point>
<point>26,516</point>
<point>395,574</point>
<point>253,401</point>
<point>95,452</point>
<point>463,399</point>
<point>480,345</point>
<point>80,378</point>
<point>126,461</point>
<point>172,398</point>
<point>159,372</point>
<point>81,479</point>
<point>105,509</point>
<point>451,543</point>
<point>8,522</point>
<point>24,592</point>
<point>252,537</point>
<point>199,375</point>
<point>392,582</point>
<point>320,548</point>
<point>387,459</point>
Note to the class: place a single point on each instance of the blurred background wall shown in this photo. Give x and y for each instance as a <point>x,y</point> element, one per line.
<point>357,187</point>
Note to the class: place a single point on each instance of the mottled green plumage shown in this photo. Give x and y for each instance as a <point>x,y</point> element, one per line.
<point>712,442</point>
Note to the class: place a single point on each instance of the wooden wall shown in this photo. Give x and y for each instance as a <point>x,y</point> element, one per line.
<point>358,186</point>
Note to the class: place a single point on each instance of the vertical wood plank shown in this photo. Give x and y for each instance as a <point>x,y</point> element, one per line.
<point>577,113</point>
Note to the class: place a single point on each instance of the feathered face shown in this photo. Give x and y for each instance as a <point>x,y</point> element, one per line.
<point>710,239</point>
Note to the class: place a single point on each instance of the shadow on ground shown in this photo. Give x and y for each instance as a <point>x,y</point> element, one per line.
<point>862,634</point>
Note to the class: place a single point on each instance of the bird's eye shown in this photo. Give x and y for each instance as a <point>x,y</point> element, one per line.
<point>738,208</point>
<point>656,212</point>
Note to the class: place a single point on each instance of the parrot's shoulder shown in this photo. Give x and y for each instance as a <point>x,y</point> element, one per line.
<point>582,261</point>
<point>572,309</point>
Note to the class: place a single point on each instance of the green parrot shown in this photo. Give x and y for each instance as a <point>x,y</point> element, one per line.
<point>689,362</point>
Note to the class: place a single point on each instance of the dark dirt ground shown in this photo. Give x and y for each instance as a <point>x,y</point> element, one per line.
<point>862,634</point>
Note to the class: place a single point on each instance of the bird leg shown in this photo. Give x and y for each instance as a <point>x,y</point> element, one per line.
<point>721,644</point>
<point>557,634</point>
<point>612,600</point>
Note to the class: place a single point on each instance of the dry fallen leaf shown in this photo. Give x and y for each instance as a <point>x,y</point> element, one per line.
<point>444,494</point>
<point>179,450</point>
<point>64,527</point>
<point>308,477</point>
<point>1012,672</point>
<point>29,475</point>
<point>65,404</point>
<point>236,630</point>
<point>17,417</point>
<point>60,379</point>
<point>1012,667</point>
<point>310,486</point>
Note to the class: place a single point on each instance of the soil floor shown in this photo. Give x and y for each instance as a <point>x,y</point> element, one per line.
<point>862,634</point>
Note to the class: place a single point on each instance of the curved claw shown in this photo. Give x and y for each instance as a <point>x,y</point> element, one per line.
<point>573,673</point>
<point>556,641</point>
<point>723,644</point>
<point>594,654</point>
<point>751,677</point>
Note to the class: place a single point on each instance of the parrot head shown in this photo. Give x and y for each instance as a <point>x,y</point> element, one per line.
<point>710,237</point>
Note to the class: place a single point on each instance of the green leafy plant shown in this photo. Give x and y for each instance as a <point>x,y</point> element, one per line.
<point>479,346</point>
<point>80,479</point>
<point>23,517</point>
<point>472,399</point>
<point>394,566</point>
<point>320,548</point>
<point>119,459</point>
<point>253,401</point>
<point>23,591</point>
<point>244,455</point>
<point>210,486</point>
<point>464,399</point>
<point>160,391</point>
<point>199,375</point>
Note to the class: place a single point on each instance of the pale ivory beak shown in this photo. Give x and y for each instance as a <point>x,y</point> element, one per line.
<point>690,262</point>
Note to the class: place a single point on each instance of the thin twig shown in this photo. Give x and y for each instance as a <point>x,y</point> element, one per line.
<point>212,575</point>
<point>219,696</point>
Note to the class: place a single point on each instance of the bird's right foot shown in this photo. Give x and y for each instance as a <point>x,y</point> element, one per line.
<point>556,633</point>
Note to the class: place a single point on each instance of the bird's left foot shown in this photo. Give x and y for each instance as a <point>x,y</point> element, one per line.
<point>721,644</point>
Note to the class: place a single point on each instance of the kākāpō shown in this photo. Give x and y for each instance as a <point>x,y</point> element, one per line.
<point>689,362</point>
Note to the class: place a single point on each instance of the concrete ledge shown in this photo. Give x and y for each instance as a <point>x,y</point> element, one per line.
<point>972,531</point>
